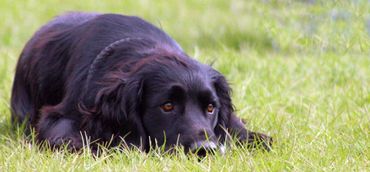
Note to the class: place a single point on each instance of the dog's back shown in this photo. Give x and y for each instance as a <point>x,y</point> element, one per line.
<point>22,101</point>
<point>53,52</point>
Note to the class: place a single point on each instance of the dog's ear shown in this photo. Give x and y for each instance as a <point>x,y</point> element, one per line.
<point>131,97</point>
<point>111,97</point>
<point>224,124</point>
<point>116,109</point>
<point>229,125</point>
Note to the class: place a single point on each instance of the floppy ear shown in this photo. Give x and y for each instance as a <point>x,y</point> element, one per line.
<point>132,99</point>
<point>111,99</point>
<point>116,109</point>
<point>229,125</point>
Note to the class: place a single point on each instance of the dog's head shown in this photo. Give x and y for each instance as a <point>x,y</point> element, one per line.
<point>180,102</point>
<point>166,98</point>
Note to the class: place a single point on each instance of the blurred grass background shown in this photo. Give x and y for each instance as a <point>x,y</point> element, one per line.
<point>300,71</point>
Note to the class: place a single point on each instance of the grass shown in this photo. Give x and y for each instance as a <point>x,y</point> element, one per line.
<point>300,71</point>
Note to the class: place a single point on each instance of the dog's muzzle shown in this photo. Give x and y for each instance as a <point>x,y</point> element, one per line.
<point>202,148</point>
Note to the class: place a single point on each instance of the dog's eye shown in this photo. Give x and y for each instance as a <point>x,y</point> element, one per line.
<point>210,109</point>
<point>167,107</point>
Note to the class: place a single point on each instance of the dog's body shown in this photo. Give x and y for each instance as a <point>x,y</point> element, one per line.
<point>115,78</point>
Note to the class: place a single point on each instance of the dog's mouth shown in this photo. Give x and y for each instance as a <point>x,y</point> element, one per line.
<point>203,148</point>
<point>198,147</point>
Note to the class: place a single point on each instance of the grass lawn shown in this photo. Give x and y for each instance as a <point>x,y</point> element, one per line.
<point>300,71</point>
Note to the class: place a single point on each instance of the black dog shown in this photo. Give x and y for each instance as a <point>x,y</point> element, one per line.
<point>120,79</point>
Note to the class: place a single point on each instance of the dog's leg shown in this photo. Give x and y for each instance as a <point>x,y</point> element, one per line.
<point>22,106</point>
<point>58,130</point>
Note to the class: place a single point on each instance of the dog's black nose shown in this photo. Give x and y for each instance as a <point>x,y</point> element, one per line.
<point>202,148</point>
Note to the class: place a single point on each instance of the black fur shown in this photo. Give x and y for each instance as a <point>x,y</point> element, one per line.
<point>108,75</point>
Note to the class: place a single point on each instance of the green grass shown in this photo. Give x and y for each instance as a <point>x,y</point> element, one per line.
<point>300,71</point>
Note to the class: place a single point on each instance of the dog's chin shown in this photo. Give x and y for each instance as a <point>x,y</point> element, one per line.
<point>200,148</point>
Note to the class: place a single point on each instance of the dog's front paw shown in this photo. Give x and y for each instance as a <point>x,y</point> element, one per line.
<point>72,143</point>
